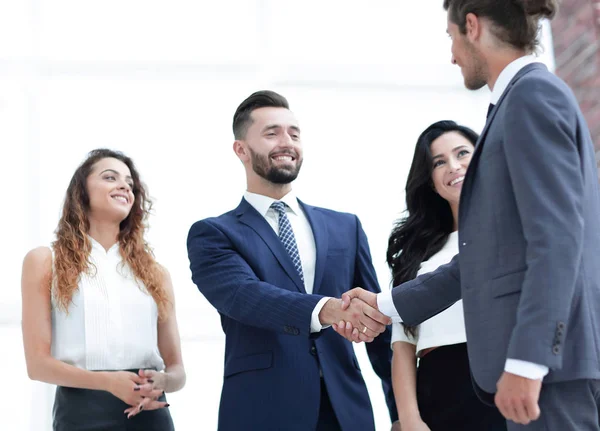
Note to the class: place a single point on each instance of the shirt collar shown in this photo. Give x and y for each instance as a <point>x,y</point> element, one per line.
<point>99,248</point>
<point>508,74</point>
<point>262,203</point>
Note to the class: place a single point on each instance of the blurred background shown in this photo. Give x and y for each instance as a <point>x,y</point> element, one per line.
<point>161,80</point>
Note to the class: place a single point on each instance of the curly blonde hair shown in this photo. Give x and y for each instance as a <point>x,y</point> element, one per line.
<point>73,246</point>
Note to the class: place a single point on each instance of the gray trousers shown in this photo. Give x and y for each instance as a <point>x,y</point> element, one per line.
<point>566,406</point>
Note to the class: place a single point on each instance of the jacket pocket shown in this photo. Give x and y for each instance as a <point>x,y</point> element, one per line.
<point>258,361</point>
<point>507,283</point>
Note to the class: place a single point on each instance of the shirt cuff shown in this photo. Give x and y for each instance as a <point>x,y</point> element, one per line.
<point>315,323</point>
<point>529,370</point>
<point>385,304</point>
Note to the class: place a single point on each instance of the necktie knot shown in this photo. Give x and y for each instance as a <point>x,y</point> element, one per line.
<point>490,110</point>
<point>278,206</point>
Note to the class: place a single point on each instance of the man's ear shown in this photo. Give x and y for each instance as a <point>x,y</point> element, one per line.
<point>240,150</point>
<point>473,27</point>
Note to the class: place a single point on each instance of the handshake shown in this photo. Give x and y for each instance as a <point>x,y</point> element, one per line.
<point>356,316</point>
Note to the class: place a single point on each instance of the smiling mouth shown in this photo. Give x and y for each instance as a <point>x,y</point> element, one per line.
<point>283,158</point>
<point>456,180</point>
<point>120,198</point>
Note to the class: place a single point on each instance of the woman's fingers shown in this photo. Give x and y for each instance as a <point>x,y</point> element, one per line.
<point>145,405</point>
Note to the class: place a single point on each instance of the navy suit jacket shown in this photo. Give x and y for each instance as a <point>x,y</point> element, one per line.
<point>272,360</point>
<point>529,237</point>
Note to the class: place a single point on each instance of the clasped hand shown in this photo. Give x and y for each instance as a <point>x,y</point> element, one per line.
<point>355,316</point>
<point>141,391</point>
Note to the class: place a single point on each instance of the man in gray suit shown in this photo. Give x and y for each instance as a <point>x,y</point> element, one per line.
<point>529,264</point>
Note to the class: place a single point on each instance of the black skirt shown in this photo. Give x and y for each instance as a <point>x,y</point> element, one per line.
<point>446,397</point>
<point>91,410</point>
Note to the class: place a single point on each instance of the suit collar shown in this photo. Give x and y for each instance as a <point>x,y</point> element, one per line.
<point>262,203</point>
<point>249,216</point>
<point>464,196</point>
<point>507,75</point>
<point>319,228</point>
<point>522,72</point>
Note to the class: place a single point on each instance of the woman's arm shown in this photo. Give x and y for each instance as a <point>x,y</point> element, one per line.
<point>404,381</point>
<point>169,343</point>
<point>37,337</point>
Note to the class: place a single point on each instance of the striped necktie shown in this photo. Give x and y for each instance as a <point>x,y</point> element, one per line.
<point>286,235</point>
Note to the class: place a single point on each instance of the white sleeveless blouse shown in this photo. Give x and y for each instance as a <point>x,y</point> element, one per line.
<point>447,327</point>
<point>111,323</point>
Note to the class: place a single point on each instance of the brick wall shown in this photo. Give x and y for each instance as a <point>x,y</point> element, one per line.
<point>576,36</point>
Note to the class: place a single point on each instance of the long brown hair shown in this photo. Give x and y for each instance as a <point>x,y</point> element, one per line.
<point>73,246</point>
<point>429,220</point>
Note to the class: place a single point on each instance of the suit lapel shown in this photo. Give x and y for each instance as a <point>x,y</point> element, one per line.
<point>319,228</point>
<point>251,218</point>
<point>467,185</point>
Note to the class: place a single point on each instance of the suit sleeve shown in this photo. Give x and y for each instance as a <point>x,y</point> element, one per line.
<point>429,294</point>
<point>230,285</point>
<point>546,174</point>
<point>379,352</point>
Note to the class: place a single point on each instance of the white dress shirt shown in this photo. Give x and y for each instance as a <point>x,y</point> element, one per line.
<point>305,241</point>
<point>508,73</point>
<point>112,321</point>
<point>443,329</point>
<point>385,302</point>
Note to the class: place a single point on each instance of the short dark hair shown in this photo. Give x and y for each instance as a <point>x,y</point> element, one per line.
<point>260,99</point>
<point>515,22</point>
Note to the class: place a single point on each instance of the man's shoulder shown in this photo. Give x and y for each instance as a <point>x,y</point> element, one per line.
<point>542,83</point>
<point>332,214</point>
<point>224,219</point>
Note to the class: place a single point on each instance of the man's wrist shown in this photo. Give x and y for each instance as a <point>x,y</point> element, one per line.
<point>385,304</point>
<point>315,324</point>
<point>329,313</point>
<point>529,370</point>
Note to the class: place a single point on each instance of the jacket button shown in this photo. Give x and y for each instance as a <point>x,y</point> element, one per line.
<point>561,325</point>
<point>556,350</point>
<point>313,351</point>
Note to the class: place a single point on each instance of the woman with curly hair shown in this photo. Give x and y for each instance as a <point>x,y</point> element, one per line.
<point>98,311</point>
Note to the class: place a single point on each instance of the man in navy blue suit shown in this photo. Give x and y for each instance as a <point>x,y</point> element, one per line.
<point>274,268</point>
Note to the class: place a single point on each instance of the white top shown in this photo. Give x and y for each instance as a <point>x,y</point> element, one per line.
<point>305,240</point>
<point>112,321</point>
<point>445,328</point>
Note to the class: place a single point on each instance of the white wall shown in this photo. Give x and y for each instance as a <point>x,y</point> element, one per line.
<point>160,81</point>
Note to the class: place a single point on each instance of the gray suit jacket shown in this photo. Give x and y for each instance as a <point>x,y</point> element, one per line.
<point>528,269</point>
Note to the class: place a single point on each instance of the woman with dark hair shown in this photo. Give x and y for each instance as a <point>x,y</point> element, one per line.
<point>439,394</point>
<point>98,310</point>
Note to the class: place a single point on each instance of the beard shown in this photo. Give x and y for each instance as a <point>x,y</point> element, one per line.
<point>475,75</point>
<point>264,167</point>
